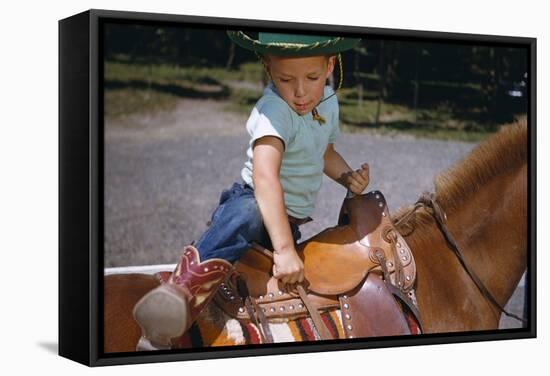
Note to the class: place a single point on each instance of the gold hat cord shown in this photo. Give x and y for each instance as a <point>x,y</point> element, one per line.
<point>314,112</point>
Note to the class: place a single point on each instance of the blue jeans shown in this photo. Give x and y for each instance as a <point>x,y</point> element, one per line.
<point>235,224</point>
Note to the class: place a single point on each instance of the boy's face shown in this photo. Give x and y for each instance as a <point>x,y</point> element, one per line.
<point>300,81</point>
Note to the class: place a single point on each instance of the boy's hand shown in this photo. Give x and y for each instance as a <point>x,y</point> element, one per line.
<point>288,267</point>
<point>358,180</point>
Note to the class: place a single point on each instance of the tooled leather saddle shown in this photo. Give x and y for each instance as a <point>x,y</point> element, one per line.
<point>362,266</point>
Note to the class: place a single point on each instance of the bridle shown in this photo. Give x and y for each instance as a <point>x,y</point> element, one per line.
<point>428,202</point>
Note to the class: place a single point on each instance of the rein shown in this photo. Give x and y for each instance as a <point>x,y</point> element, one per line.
<point>428,201</point>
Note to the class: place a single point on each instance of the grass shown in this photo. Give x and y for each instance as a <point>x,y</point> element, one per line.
<point>437,122</point>
<point>124,72</point>
<point>142,88</point>
<point>122,102</point>
<point>242,100</point>
<point>403,128</point>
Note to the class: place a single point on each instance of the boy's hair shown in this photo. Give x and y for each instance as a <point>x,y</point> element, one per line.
<point>264,59</point>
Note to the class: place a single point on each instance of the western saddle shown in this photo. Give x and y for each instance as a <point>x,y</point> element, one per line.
<point>362,266</point>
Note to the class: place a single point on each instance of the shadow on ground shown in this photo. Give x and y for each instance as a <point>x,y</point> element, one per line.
<point>200,91</point>
<point>52,347</point>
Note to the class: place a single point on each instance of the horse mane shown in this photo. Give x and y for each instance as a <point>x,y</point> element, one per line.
<point>501,152</point>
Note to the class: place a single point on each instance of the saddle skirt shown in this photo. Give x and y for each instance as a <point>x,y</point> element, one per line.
<point>337,262</point>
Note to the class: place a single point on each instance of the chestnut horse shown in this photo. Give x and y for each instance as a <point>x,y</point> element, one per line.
<point>484,198</point>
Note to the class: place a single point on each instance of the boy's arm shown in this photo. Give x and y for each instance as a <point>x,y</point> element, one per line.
<point>338,170</point>
<point>267,157</point>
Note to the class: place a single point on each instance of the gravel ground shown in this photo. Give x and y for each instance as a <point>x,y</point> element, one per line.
<point>164,174</point>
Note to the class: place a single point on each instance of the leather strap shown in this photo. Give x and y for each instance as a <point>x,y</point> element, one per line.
<point>429,200</point>
<point>397,290</point>
<point>263,321</point>
<point>321,328</point>
<point>253,318</point>
<point>391,237</point>
<point>408,302</point>
<point>251,305</point>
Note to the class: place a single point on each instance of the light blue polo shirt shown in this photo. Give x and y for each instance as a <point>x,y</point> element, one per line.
<point>305,143</point>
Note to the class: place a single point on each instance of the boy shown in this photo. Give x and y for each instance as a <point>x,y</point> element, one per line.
<point>293,127</point>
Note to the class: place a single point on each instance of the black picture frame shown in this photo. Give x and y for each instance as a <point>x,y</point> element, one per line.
<point>81,194</point>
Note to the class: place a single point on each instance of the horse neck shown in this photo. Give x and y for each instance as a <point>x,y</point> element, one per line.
<point>490,229</point>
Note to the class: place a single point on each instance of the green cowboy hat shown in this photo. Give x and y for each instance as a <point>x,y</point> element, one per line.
<point>292,44</point>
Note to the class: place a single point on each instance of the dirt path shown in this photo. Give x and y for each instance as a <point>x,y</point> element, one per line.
<point>190,117</point>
